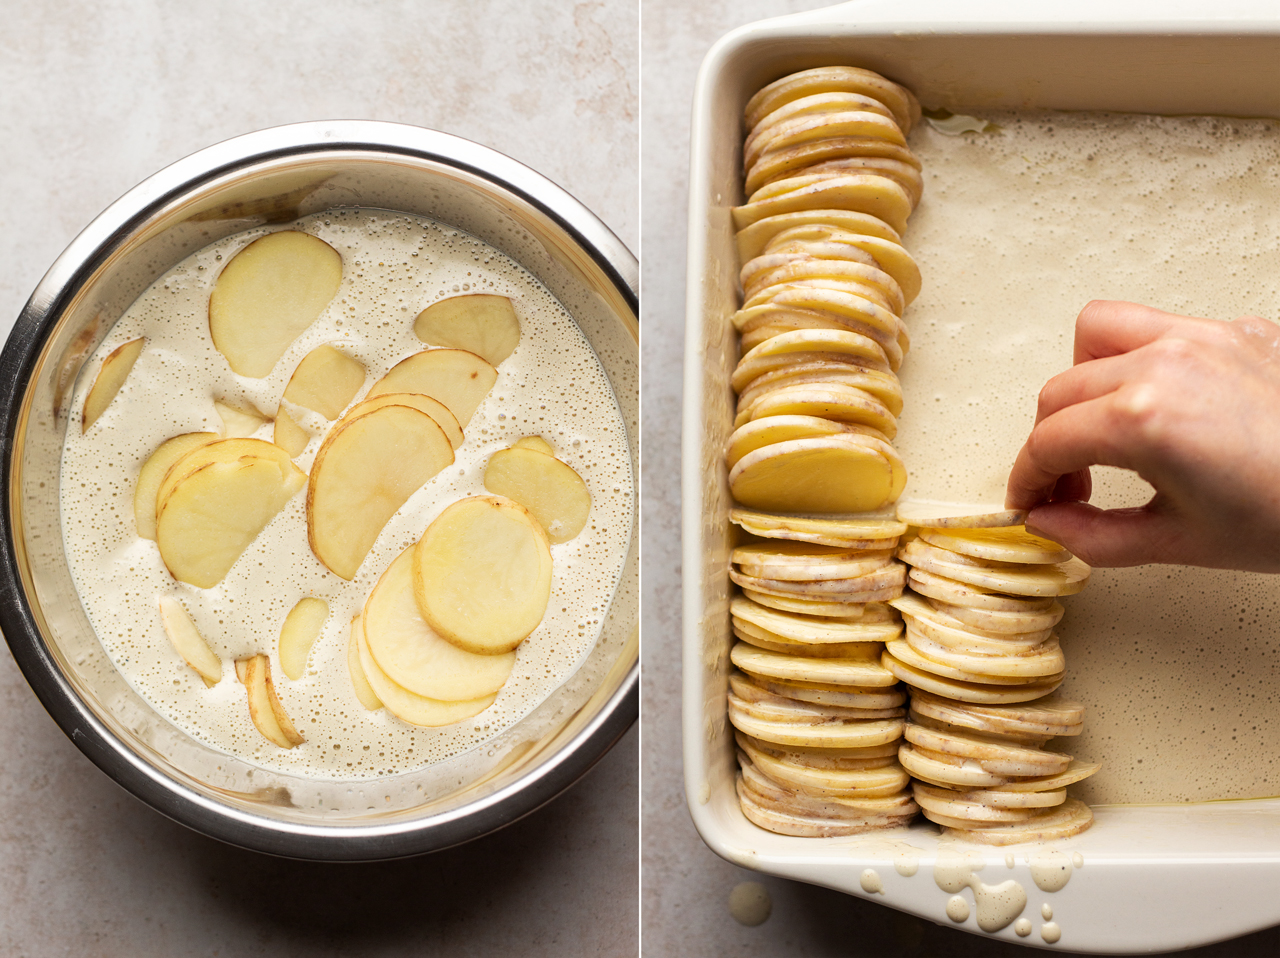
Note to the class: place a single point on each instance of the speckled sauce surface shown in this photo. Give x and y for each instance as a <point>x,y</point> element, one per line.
<point>1022,225</point>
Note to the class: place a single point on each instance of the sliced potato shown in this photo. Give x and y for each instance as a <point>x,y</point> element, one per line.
<point>365,471</point>
<point>759,433</point>
<point>432,407</point>
<point>822,475</point>
<point>410,652</point>
<point>238,422</point>
<point>220,451</point>
<point>869,193</point>
<point>753,240</point>
<point>267,294</point>
<point>409,706</point>
<point>359,682</point>
<point>956,515</point>
<point>536,443</point>
<point>153,472</point>
<point>325,381</point>
<point>115,370</point>
<point>482,574</point>
<point>1004,544</point>
<point>188,641</point>
<point>212,515</point>
<point>264,708</point>
<point>547,487</point>
<point>456,377</point>
<point>300,630</point>
<point>289,436</point>
<point>480,323</point>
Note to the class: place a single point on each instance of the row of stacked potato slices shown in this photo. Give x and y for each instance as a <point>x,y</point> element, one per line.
<point>842,599</point>
<point>436,639</point>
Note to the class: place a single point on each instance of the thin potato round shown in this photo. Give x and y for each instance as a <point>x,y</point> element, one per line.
<point>980,694</point>
<point>883,385</point>
<point>759,433</point>
<point>482,574</point>
<point>410,652</point>
<point>547,487</point>
<point>753,239</point>
<point>456,377</point>
<point>825,239</point>
<point>868,193</point>
<point>480,323</point>
<point>835,401</point>
<point>815,475</point>
<point>898,99</point>
<point>157,466</point>
<point>802,346</point>
<point>973,597</point>
<point>1005,544</point>
<point>432,407</point>
<point>956,515</point>
<point>409,706</point>
<point>365,471</point>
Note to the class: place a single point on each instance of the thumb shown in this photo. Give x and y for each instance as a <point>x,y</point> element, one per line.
<point>1107,537</point>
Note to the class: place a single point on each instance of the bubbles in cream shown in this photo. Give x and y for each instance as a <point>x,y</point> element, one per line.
<point>1020,226</point>
<point>393,266</point>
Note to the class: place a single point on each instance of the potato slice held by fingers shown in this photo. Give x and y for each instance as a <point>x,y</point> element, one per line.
<point>115,370</point>
<point>482,574</point>
<point>547,487</point>
<point>365,471</point>
<point>413,655</point>
<point>267,295</point>
<point>480,323</point>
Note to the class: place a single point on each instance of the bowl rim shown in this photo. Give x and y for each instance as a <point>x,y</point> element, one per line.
<point>145,781</point>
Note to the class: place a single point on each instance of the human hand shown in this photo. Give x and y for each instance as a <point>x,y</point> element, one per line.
<point>1193,407</point>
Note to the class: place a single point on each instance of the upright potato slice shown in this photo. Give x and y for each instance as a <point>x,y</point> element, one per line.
<point>480,323</point>
<point>409,706</point>
<point>823,475</point>
<point>153,472</point>
<point>115,370</point>
<point>267,295</point>
<point>300,630</point>
<point>214,513</point>
<point>547,487</point>
<point>364,472</point>
<point>189,642</point>
<point>455,377</point>
<point>325,381</point>
<point>432,407</point>
<point>359,682</point>
<point>410,652</point>
<point>288,435</point>
<point>482,574</point>
<point>264,708</point>
<point>238,422</point>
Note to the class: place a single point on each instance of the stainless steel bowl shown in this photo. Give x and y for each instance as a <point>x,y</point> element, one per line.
<point>278,175</point>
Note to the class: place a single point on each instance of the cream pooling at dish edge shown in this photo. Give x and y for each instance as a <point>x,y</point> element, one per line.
<point>393,266</point>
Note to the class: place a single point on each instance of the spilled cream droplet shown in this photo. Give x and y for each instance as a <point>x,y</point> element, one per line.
<point>1077,860</point>
<point>750,904</point>
<point>1022,927</point>
<point>1050,932</point>
<point>957,909</point>
<point>871,882</point>
<point>1046,911</point>
<point>1008,861</point>
<point>998,905</point>
<point>1051,870</point>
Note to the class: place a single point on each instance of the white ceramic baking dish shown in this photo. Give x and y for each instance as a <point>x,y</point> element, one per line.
<point>1146,878</point>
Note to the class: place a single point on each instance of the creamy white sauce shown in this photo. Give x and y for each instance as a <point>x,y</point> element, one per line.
<point>1020,226</point>
<point>1050,870</point>
<point>957,909</point>
<point>1022,927</point>
<point>1050,932</point>
<point>393,267</point>
<point>871,882</point>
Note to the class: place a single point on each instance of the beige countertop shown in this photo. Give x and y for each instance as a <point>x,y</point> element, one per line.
<point>98,96</point>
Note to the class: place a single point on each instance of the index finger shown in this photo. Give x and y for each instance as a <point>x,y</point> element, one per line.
<point>1111,327</point>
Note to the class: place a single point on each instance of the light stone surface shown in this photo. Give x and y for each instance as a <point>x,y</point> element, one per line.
<point>98,96</point>
<point>685,887</point>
